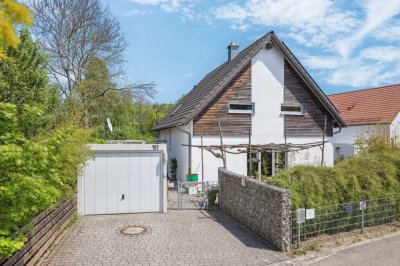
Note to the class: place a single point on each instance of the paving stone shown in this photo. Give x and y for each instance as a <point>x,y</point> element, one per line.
<point>179,237</point>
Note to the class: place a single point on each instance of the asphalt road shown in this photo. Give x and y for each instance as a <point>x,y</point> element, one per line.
<point>385,252</point>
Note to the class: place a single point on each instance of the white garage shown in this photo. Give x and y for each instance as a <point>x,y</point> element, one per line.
<point>123,178</point>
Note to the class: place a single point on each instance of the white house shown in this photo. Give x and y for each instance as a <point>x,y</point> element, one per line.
<point>366,112</point>
<point>263,89</point>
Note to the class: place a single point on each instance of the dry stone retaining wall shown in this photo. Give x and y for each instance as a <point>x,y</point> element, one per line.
<point>263,208</point>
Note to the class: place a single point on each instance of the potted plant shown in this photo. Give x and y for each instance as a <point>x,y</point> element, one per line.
<point>212,195</point>
<point>173,171</point>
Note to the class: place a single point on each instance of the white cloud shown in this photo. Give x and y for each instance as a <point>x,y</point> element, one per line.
<point>319,62</point>
<point>166,5</point>
<point>381,53</point>
<point>390,31</point>
<point>230,12</point>
<point>356,76</point>
<point>311,23</point>
<point>148,2</point>
<point>376,14</point>
<point>137,12</point>
<point>371,67</point>
<point>336,32</point>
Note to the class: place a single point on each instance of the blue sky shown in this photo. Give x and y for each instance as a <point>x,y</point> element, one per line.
<point>345,45</point>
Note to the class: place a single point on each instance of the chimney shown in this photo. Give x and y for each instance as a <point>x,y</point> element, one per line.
<point>233,50</point>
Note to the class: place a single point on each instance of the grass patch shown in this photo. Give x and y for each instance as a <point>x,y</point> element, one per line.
<point>314,246</point>
<point>73,221</point>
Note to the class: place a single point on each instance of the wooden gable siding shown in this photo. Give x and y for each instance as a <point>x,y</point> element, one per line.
<point>239,89</point>
<point>312,123</point>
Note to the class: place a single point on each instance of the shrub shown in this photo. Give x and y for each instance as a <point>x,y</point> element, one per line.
<point>373,174</point>
<point>35,173</point>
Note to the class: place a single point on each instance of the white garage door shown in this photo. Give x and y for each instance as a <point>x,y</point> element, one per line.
<point>122,182</point>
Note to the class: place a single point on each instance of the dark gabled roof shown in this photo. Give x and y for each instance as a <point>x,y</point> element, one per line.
<point>215,81</point>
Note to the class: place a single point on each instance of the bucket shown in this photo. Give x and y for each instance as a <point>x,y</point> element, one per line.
<point>192,178</point>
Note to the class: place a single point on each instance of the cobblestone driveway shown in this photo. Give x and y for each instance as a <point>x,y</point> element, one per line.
<point>189,237</point>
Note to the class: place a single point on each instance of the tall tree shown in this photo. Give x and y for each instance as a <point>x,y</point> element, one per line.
<point>99,97</point>
<point>23,81</point>
<point>74,31</point>
<point>12,14</point>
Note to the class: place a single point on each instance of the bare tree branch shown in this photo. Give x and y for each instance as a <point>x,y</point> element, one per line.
<point>140,91</point>
<point>74,31</point>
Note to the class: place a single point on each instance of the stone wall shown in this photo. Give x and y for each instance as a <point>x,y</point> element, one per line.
<point>264,209</point>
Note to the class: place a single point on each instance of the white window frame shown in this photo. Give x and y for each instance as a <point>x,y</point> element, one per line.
<point>233,111</point>
<point>302,111</point>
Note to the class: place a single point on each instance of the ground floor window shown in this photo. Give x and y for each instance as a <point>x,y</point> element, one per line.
<point>270,163</point>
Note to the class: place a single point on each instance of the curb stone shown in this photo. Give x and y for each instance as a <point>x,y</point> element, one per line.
<point>314,257</point>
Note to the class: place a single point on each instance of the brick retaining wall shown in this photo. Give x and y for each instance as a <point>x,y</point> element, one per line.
<point>263,208</point>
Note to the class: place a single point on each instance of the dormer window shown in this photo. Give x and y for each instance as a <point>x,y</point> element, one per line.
<point>292,109</point>
<point>241,107</point>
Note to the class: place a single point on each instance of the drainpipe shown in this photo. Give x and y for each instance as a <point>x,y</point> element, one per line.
<point>189,147</point>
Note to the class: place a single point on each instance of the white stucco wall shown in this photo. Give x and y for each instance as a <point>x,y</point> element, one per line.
<point>268,123</point>
<point>174,139</point>
<point>311,156</point>
<point>345,139</point>
<point>267,77</point>
<point>395,129</point>
<point>234,162</point>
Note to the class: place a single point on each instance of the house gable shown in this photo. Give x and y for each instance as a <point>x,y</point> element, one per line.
<point>238,90</point>
<point>313,120</point>
<point>217,80</point>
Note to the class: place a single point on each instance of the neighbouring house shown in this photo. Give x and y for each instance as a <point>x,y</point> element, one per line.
<point>263,89</point>
<point>366,112</point>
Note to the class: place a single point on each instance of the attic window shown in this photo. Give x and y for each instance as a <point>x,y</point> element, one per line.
<point>292,109</point>
<point>241,107</point>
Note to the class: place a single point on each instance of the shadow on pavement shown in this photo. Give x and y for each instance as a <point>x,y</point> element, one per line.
<point>248,237</point>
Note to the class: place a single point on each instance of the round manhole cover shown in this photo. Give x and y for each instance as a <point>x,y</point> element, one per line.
<point>134,230</point>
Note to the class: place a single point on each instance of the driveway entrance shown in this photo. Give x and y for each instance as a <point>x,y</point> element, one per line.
<point>191,237</point>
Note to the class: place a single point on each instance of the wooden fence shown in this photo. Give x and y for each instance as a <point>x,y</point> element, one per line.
<point>47,226</point>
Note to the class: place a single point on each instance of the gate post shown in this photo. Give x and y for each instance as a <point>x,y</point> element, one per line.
<point>179,194</point>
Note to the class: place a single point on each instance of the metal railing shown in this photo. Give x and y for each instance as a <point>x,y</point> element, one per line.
<point>330,220</point>
<point>194,195</point>
<point>191,195</point>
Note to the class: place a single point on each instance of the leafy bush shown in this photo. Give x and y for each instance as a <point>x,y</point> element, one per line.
<point>34,173</point>
<point>375,173</point>
<point>174,168</point>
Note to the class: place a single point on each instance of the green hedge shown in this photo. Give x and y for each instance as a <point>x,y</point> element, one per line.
<point>373,174</point>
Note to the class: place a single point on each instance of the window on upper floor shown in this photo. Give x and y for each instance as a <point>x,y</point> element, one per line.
<point>292,109</point>
<point>241,107</point>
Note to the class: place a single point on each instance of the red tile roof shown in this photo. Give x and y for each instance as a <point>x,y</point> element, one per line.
<point>370,106</point>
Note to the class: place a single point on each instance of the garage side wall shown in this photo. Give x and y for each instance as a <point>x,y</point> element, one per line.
<point>264,209</point>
